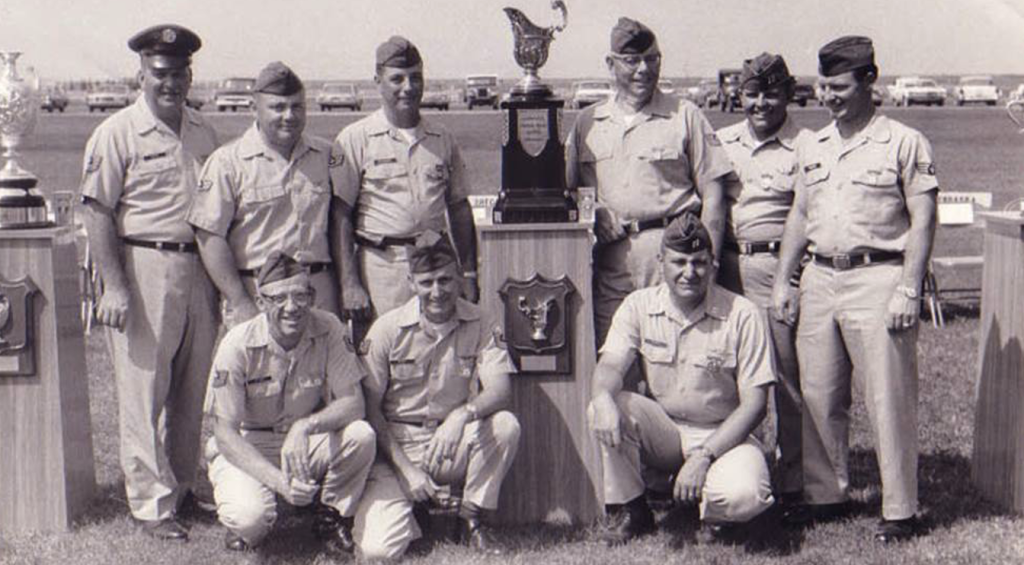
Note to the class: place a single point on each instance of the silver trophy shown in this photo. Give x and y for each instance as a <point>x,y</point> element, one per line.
<point>20,205</point>
<point>531,50</point>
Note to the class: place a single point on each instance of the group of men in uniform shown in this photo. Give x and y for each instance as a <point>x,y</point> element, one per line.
<point>726,264</point>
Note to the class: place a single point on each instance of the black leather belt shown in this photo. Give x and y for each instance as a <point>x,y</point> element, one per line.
<point>637,226</point>
<point>189,247</point>
<point>752,248</point>
<point>314,268</point>
<point>429,424</point>
<point>386,241</point>
<point>280,429</point>
<point>844,262</point>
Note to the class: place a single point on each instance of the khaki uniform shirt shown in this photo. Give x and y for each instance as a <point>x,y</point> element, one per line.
<point>397,188</point>
<point>649,169</point>
<point>425,376</point>
<point>145,173</point>
<point>759,192</point>
<point>261,202</point>
<point>260,385</point>
<point>856,190</point>
<point>695,365</point>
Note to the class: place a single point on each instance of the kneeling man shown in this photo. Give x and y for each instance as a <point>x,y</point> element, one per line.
<point>287,414</point>
<point>438,381</point>
<point>708,363</point>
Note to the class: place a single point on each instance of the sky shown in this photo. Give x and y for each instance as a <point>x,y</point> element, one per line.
<point>335,39</point>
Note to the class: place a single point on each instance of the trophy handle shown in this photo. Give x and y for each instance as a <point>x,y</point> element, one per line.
<point>1015,109</point>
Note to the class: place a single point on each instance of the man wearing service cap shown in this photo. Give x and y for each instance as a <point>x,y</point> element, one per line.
<point>708,362</point>
<point>651,156</point>
<point>865,210</point>
<point>395,176</point>
<point>438,386</point>
<point>267,190</point>
<point>287,414</point>
<point>759,194</point>
<point>141,168</point>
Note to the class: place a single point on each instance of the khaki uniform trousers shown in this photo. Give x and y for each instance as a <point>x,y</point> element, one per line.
<point>340,461</point>
<point>737,487</point>
<point>841,334</point>
<point>385,525</point>
<point>385,275</point>
<point>620,267</point>
<point>753,277</point>
<point>161,364</point>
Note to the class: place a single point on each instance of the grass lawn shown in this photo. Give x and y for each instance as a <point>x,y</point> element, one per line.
<point>977,149</point>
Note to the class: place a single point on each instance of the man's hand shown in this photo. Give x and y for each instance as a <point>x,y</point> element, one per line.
<point>607,226</point>
<point>690,479</point>
<point>417,484</point>
<point>356,303</point>
<point>785,303</point>
<point>470,289</point>
<point>298,493</point>
<point>295,452</point>
<point>606,421</point>
<point>112,309</point>
<point>445,443</point>
<point>903,312</point>
<point>243,310</point>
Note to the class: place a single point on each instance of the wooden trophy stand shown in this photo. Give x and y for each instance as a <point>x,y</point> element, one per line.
<point>47,476</point>
<point>998,465</point>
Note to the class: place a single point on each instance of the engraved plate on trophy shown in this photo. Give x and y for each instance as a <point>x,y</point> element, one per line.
<point>533,130</point>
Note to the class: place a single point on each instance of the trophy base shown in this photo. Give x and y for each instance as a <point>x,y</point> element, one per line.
<point>535,206</point>
<point>20,209</point>
<point>530,88</point>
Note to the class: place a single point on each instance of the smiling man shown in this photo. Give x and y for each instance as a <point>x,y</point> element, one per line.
<point>708,363</point>
<point>763,151</point>
<point>267,190</point>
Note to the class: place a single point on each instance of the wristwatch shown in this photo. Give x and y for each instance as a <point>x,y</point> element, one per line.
<point>471,409</point>
<point>703,451</point>
<point>908,291</point>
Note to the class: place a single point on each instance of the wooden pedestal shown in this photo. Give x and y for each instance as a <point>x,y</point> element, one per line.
<point>998,465</point>
<point>556,474</point>
<point>47,475</point>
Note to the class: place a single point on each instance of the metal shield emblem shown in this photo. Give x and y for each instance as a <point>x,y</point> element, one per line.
<point>532,126</point>
<point>17,327</point>
<point>537,322</point>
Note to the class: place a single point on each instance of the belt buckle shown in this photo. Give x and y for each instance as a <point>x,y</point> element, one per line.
<point>633,227</point>
<point>841,262</point>
<point>746,248</point>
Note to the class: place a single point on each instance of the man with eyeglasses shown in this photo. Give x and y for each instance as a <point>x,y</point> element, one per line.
<point>286,410</point>
<point>651,157</point>
<point>865,210</point>
<point>708,364</point>
<point>759,194</point>
<point>267,190</point>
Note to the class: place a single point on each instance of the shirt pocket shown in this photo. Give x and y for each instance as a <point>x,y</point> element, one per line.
<point>405,373</point>
<point>387,177</point>
<point>159,167</point>
<point>262,388</point>
<point>660,363</point>
<point>258,197</point>
<point>434,176</point>
<point>783,180</point>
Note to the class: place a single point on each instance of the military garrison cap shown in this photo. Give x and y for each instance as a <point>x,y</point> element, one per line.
<point>630,37</point>
<point>398,52</point>
<point>165,39</point>
<point>845,54</point>
<point>686,234</point>
<point>767,70</point>
<point>431,252</point>
<point>280,267</point>
<point>277,78</point>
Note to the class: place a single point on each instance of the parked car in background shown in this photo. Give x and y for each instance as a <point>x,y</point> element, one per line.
<point>729,89</point>
<point>235,93</point>
<point>708,93</point>
<point>435,98</point>
<point>916,90</point>
<point>976,89</point>
<point>339,95</point>
<point>53,100</point>
<point>587,92</point>
<point>802,93</point>
<point>666,86</point>
<point>108,96</point>
<point>481,90</point>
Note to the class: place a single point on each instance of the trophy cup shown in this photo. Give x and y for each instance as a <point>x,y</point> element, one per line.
<point>20,205</point>
<point>532,154</point>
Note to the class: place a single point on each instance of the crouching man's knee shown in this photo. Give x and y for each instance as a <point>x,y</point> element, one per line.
<point>738,487</point>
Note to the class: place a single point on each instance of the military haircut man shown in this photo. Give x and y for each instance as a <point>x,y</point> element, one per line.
<point>141,166</point>
<point>865,210</point>
<point>439,380</point>
<point>651,156</point>
<point>395,176</point>
<point>287,414</point>
<point>759,194</point>
<point>267,190</point>
<point>708,363</point>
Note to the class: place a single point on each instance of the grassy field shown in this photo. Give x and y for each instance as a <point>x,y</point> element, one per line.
<point>976,148</point>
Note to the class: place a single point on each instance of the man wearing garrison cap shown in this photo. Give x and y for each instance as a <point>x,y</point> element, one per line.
<point>865,210</point>
<point>287,414</point>
<point>267,190</point>
<point>438,386</point>
<point>141,167</point>
<point>758,195</point>
<point>651,156</point>
<point>708,363</point>
<point>396,175</point>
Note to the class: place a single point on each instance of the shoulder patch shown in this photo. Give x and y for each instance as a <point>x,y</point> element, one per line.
<point>712,139</point>
<point>93,164</point>
<point>925,168</point>
<point>336,161</point>
<point>220,378</point>
<point>205,184</point>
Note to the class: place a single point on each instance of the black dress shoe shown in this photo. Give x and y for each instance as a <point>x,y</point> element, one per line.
<point>234,542</point>
<point>717,533</point>
<point>808,514</point>
<point>631,520</point>
<point>334,530</point>
<point>889,531</point>
<point>166,529</point>
<point>192,507</point>
<point>479,537</point>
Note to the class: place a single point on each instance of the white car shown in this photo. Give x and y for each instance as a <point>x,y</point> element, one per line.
<point>666,86</point>
<point>916,90</point>
<point>339,95</point>
<point>587,92</point>
<point>980,89</point>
